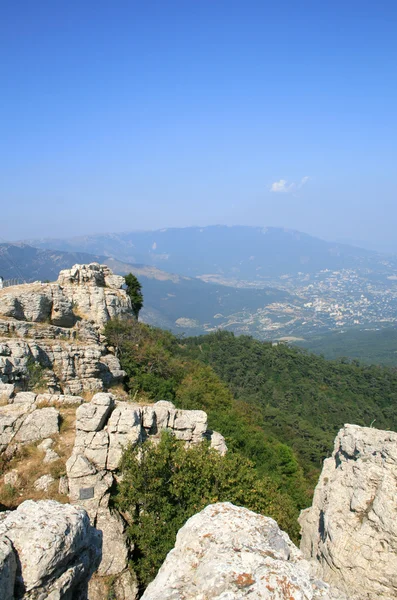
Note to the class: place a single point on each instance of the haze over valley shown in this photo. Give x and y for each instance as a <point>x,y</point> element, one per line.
<point>271,283</point>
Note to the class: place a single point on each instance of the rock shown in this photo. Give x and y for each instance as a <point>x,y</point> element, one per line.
<point>95,292</point>
<point>44,322</point>
<point>63,487</point>
<point>25,398</point>
<point>12,417</point>
<point>217,442</point>
<point>230,553</point>
<point>125,586</point>
<point>12,478</point>
<point>351,528</point>
<point>92,416</point>
<point>114,549</point>
<point>103,429</point>
<point>7,391</point>
<point>45,444</point>
<point>58,399</point>
<point>44,483</point>
<point>57,550</point>
<point>37,425</point>
<point>118,587</point>
<point>8,569</point>
<point>50,456</point>
<point>124,428</point>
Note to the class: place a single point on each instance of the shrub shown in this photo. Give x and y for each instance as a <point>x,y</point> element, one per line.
<point>163,485</point>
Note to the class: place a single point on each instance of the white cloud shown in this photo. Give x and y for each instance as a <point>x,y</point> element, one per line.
<point>282,186</point>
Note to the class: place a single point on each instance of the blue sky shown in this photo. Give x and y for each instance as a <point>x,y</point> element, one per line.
<point>135,115</point>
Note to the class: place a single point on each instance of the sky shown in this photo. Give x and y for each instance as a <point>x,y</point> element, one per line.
<point>116,116</point>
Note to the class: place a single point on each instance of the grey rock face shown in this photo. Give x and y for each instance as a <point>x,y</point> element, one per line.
<point>91,290</point>
<point>104,428</point>
<point>351,529</point>
<point>22,422</point>
<point>58,326</point>
<point>227,552</point>
<point>37,425</point>
<point>55,551</point>
<point>43,483</point>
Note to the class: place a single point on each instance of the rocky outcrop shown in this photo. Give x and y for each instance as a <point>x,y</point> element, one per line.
<point>47,551</point>
<point>24,421</point>
<point>91,292</point>
<point>104,427</point>
<point>58,327</point>
<point>351,529</point>
<point>229,552</point>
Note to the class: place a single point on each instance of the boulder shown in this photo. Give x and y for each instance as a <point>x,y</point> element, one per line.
<point>227,552</point>
<point>351,528</point>
<point>56,551</point>
<point>44,483</point>
<point>37,425</point>
<point>93,416</point>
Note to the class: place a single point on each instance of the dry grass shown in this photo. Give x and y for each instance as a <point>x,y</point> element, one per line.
<point>120,393</point>
<point>30,466</point>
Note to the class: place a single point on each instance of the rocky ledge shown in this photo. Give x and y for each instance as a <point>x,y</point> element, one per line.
<point>351,529</point>
<point>58,327</point>
<point>104,427</point>
<point>227,552</point>
<point>48,551</point>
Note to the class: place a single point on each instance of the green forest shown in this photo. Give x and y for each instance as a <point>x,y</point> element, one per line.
<point>278,407</point>
<point>369,346</point>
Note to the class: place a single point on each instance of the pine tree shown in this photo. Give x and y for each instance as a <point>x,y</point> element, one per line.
<point>134,290</point>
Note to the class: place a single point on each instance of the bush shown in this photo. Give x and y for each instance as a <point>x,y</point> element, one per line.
<point>163,485</point>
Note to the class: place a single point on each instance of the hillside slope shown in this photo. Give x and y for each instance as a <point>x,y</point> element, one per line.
<point>303,399</point>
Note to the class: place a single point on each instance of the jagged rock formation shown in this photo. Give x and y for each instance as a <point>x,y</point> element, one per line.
<point>47,551</point>
<point>104,427</point>
<point>351,529</point>
<point>230,553</point>
<point>58,326</point>
<point>23,421</point>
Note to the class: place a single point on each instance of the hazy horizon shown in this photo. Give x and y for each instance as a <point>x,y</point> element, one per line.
<point>156,115</point>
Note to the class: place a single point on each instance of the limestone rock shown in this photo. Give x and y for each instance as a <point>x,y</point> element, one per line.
<point>58,325</point>
<point>12,417</point>
<point>57,549</point>
<point>58,399</point>
<point>351,528</point>
<point>43,483</point>
<point>230,553</point>
<point>114,549</point>
<point>63,487</point>
<point>12,478</point>
<point>92,416</point>
<point>8,569</point>
<point>24,398</point>
<point>45,444</point>
<point>104,428</point>
<point>96,292</point>
<point>37,425</point>
<point>7,391</point>
<point>217,442</point>
<point>50,456</point>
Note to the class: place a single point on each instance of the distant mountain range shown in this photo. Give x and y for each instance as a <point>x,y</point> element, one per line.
<point>244,253</point>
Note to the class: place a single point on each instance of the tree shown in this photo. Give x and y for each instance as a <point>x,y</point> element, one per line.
<point>163,485</point>
<point>134,290</point>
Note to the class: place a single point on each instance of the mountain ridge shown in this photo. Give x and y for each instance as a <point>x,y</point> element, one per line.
<point>247,252</point>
